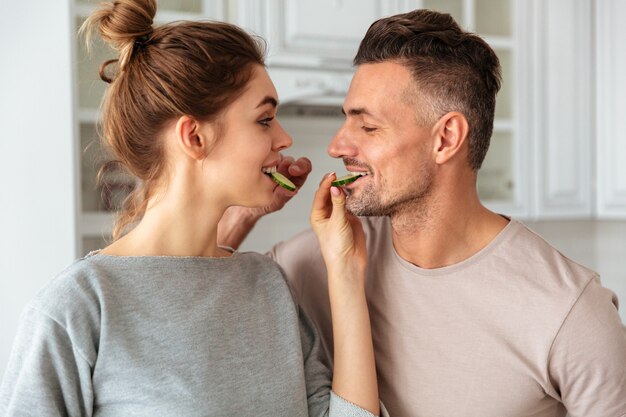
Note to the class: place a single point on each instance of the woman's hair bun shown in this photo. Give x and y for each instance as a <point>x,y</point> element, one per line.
<point>120,23</point>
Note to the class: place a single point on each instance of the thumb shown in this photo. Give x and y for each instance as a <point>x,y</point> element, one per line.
<point>338,199</point>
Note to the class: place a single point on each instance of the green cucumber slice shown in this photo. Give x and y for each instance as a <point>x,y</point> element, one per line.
<point>346,179</point>
<point>283,181</point>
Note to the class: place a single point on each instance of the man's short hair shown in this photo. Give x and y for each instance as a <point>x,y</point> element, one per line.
<point>453,70</point>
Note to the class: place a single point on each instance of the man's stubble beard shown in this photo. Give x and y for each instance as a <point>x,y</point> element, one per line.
<point>413,201</point>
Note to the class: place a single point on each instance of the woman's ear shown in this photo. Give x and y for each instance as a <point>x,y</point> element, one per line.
<point>450,135</point>
<point>194,138</point>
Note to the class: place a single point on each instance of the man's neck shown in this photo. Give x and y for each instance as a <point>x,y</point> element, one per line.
<point>442,232</point>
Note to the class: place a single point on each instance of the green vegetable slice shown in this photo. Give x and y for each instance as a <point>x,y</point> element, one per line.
<point>346,179</point>
<point>283,181</point>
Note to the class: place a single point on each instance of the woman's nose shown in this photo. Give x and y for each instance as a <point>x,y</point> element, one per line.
<point>281,139</point>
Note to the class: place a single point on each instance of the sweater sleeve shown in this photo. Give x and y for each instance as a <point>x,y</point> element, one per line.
<point>46,374</point>
<point>587,361</point>
<point>320,398</point>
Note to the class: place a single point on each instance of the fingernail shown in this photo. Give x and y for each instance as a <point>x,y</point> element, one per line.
<point>328,175</point>
<point>335,191</point>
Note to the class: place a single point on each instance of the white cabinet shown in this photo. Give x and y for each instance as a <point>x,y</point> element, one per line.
<point>561,107</point>
<point>311,43</point>
<point>578,109</point>
<point>323,34</point>
<point>611,108</point>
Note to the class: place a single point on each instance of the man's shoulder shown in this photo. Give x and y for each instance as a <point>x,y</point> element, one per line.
<point>533,252</point>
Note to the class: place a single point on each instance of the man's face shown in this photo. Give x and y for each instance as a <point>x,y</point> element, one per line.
<point>381,136</point>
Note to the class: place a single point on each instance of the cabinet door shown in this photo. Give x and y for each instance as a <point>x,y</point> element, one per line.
<point>611,108</point>
<point>321,34</point>
<point>562,111</point>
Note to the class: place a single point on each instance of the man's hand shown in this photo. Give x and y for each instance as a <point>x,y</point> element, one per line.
<point>237,222</point>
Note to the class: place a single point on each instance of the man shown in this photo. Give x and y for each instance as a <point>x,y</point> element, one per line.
<point>472,313</point>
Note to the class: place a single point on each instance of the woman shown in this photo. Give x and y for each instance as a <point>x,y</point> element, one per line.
<point>164,321</point>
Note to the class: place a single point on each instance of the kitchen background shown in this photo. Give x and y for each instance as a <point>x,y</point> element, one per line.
<point>553,163</point>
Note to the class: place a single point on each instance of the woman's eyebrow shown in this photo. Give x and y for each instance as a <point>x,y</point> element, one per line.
<point>268,100</point>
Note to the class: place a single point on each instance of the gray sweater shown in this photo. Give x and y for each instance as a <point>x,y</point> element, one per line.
<point>168,336</point>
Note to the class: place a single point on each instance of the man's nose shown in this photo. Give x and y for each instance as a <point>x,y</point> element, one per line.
<point>341,145</point>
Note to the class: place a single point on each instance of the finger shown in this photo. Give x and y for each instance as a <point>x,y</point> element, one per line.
<point>301,167</point>
<point>283,165</point>
<point>296,171</point>
<point>283,193</point>
<point>299,171</point>
<point>322,205</point>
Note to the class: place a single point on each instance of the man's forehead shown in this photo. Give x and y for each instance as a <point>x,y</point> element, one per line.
<point>385,74</point>
<point>376,87</point>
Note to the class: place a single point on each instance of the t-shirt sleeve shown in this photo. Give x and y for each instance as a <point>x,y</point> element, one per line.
<point>46,375</point>
<point>587,362</point>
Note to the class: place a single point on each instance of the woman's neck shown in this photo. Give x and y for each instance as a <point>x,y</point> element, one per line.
<point>174,225</point>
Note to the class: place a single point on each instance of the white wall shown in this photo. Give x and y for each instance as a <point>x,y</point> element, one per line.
<point>37,211</point>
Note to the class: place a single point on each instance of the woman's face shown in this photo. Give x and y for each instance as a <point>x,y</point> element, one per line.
<point>249,142</point>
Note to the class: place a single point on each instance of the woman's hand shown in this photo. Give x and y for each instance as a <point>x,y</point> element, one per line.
<point>237,221</point>
<point>297,171</point>
<point>342,242</point>
<point>340,233</point>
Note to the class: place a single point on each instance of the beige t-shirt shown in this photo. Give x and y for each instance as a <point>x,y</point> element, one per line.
<point>516,330</point>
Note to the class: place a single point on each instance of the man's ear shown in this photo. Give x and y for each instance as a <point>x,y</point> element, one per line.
<point>194,138</point>
<point>450,135</point>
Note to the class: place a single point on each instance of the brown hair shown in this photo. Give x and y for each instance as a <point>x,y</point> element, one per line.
<point>454,70</point>
<point>194,68</point>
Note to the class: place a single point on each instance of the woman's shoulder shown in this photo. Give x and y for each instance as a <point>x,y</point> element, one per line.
<point>257,261</point>
<point>263,268</point>
<point>71,289</point>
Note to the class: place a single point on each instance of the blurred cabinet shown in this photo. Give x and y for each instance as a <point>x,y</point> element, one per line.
<point>611,108</point>
<point>311,43</point>
<point>560,109</point>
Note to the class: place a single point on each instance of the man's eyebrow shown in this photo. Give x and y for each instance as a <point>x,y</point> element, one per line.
<point>268,100</point>
<point>357,111</point>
